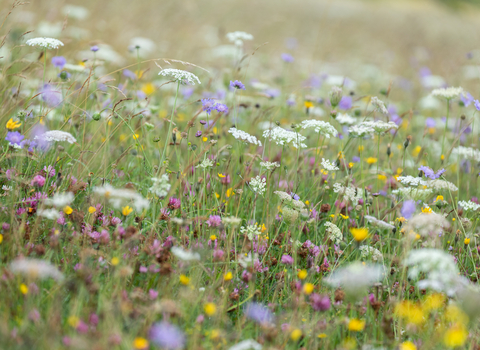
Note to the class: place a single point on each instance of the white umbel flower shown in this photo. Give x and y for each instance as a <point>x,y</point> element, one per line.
<point>327,165</point>
<point>231,221</point>
<point>51,214</point>
<point>377,127</point>
<point>160,186</point>
<point>248,344</point>
<point>56,136</point>
<point>258,185</point>
<point>207,162</point>
<point>184,255</point>
<point>467,153</point>
<point>118,196</point>
<point>441,185</point>
<point>244,136</point>
<point>35,268</point>
<point>345,119</point>
<point>411,181</point>
<point>334,233</point>
<point>60,200</point>
<point>379,105</point>
<point>323,128</point>
<point>180,75</point>
<point>379,223</point>
<point>448,93</point>
<point>269,165</point>
<point>469,205</point>
<point>413,193</point>
<point>371,252</point>
<point>251,231</point>
<point>282,137</point>
<point>47,43</point>
<point>238,37</point>
<point>350,193</point>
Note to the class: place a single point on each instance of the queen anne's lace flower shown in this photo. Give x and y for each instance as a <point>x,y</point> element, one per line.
<point>414,193</point>
<point>117,196</point>
<point>346,119</point>
<point>269,165</point>
<point>207,162</point>
<point>448,93</point>
<point>469,205</point>
<point>258,185</point>
<point>56,135</point>
<point>160,186</point>
<point>244,136</point>
<point>350,192</point>
<point>60,200</point>
<point>334,232</point>
<point>184,255</point>
<point>379,105</point>
<point>467,153</point>
<point>239,37</point>
<point>441,185</point>
<point>51,214</point>
<point>251,231</point>
<point>371,252</point>
<point>377,127</point>
<point>411,181</point>
<point>47,43</point>
<point>327,165</point>
<point>281,137</point>
<point>182,76</point>
<point>321,127</point>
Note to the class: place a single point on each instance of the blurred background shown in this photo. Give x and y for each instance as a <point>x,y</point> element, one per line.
<point>398,37</point>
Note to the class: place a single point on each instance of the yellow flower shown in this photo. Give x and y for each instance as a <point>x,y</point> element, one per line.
<point>308,104</point>
<point>1,238</point>
<point>361,148</point>
<point>439,198</point>
<point>382,177</point>
<point>350,165</point>
<point>413,313</point>
<point>217,195</point>
<point>442,157</point>
<point>184,280</point>
<point>345,217</point>
<point>115,261</point>
<point>229,192</point>
<point>308,288</point>
<point>204,139</point>
<point>73,321</point>
<point>455,336</point>
<point>454,314</point>
<point>140,343</point>
<point>466,241</point>
<point>407,345</point>
<point>416,151</point>
<point>221,175</point>
<point>126,210</point>
<point>135,136</point>
<point>23,289</point>
<point>263,228</point>
<point>322,335</point>
<point>295,334</point>
<point>359,234</point>
<point>356,325</point>
<point>11,125</point>
<point>92,210</point>
<point>213,237</point>
<point>228,276</point>
<point>210,309</point>
<point>302,274</point>
<point>434,301</point>
<point>148,88</point>
<point>371,160</point>
<point>67,210</point>
<point>427,210</point>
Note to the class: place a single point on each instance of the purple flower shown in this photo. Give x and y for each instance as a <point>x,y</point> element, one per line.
<point>198,133</point>
<point>153,294</point>
<point>466,98</point>
<point>214,221</point>
<point>356,159</point>
<point>221,108</point>
<point>52,97</point>
<point>272,93</point>
<point>208,105</point>
<point>38,181</point>
<point>408,209</point>
<point>430,123</point>
<point>320,302</point>
<point>237,85</point>
<point>129,74</point>
<point>187,92</point>
<point>286,57</point>
<point>50,170</point>
<point>174,203</point>
<point>287,259</point>
<point>291,102</point>
<point>295,196</point>
<point>345,103</point>
<point>94,48</point>
<point>258,313</point>
<point>167,336</point>
<point>14,137</point>
<point>477,104</point>
<point>59,61</point>
<point>430,173</point>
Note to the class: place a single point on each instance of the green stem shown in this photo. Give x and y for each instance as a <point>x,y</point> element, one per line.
<point>446,126</point>
<point>162,159</point>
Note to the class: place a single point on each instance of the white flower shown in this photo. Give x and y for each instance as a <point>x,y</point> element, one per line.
<point>467,153</point>
<point>56,135</point>
<point>47,43</point>
<point>441,185</point>
<point>238,37</point>
<point>51,214</point>
<point>77,12</point>
<point>469,205</point>
<point>180,75</point>
<point>334,232</point>
<point>207,162</point>
<point>413,193</point>
<point>35,268</point>
<point>427,224</point>
<point>378,127</point>
<point>232,221</point>
<point>360,130</point>
<point>350,193</point>
<point>60,200</point>
<point>411,181</point>
<point>242,135</point>
<point>448,93</point>
<point>281,137</point>
<point>379,105</point>
<point>248,260</point>
<point>184,255</point>
<point>116,197</point>
<point>379,223</point>
<point>320,127</point>
<point>329,165</point>
<point>258,185</point>
<point>160,186</point>
<point>288,200</point>
<point>251,231</point>
<point>367,252</point>
<point>269,165</point>
<point>248,344</point>
<point>438,266</point>
<point>345,119</point>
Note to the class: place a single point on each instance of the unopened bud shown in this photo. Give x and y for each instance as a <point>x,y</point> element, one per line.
<point>335,96</point>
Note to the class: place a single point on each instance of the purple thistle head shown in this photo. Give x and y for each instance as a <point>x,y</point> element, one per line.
<point>287,259</point>
<point>287,58</point>
<point>94,48</point>
<point>14,137</point>
<point>320,302</point>
<point>167,336</point>
<point>208,105</point>
<point>408,209</point>
<point>237,84</point>
<point>258,313</point>
<point>214,221</point>
<point>59,61</point>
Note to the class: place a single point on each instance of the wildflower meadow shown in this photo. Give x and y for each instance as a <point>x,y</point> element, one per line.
<point>238,201</point>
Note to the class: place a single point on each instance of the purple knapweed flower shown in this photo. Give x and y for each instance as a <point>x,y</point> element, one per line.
<point>174,203</point>
<point>237,85</point>
<point>287,58</point>
<point>408,209</point>
<point>167,336</point>
<point>14,137</point>
<point>287,259</point>
<point>208,105</point>
<point>476,103</point>
<point>319,302</point>
<point>258,313</point>
<point>59,61</point>
<point>198,133</point>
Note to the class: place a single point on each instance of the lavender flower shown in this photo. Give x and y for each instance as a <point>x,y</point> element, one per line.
<point>477,104</point>
<point>408,209</point>
<point>52,97</point>
<point>430,173</point>
<point>167,336</point>
<point>319,302</point>
<point>287,259</point>
<point>129,74</point>
<point>258,313</point>
<point>59,61</point>
<point>14,137</point>
<point>221,108</point>
<point>287,58</point>
<point>214,221</point>
<point>94,48</point>
<point>208,105</point>
<point>237,85</point>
